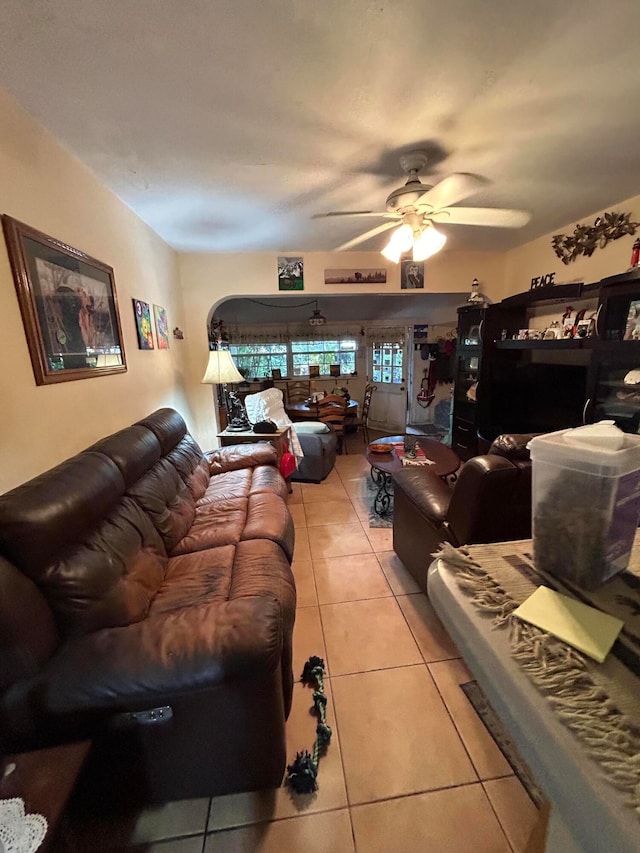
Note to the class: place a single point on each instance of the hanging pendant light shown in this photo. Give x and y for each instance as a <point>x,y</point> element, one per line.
<point>317,318</point>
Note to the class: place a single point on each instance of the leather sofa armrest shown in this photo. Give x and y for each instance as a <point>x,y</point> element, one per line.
<point>426,491</point>
<point>241,456</point>
<point>480,503</point>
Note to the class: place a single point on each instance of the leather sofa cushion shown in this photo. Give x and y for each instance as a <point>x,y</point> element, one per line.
<point>268,517</point>
<point>25,642</point>
<point>241,456</point>
<point>109,579</point>
<point>266,479</point>
<point>168,427</point>
<point>219,615</point>
<point>40,519</point>
<point>215,523</point>
<point>167,500</point>
<point>230,520</point>
<point>190,463</point>
<point>134,450</point>
<point>152,662</point>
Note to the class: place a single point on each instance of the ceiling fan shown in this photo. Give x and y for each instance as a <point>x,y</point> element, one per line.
<point>417,206</point>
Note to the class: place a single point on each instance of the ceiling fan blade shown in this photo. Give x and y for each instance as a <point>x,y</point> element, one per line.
<point>367,234</point>
<point>355,213</point>
<point>451,190</point>
<point>489,216</point>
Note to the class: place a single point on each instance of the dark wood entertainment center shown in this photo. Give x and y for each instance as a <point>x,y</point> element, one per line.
<point>544,385</point>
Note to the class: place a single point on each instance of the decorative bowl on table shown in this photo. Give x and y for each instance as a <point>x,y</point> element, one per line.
<point>380,447</point>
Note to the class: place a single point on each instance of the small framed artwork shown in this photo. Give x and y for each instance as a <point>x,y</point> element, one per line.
<point>276,373</point>
<point>314,370</point>
<point>162,327</point>
<point>632,328</point>
<point>412,275</point>
<point>290,273</point>
<point>360,276</point>
<point>68,304</point>
<point>142,314</point>
<point>334,370</point>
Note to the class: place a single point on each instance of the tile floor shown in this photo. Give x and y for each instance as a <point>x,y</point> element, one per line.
<point>410,767</point>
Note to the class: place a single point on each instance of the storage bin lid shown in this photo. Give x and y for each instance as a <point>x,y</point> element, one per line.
<point>600,449</point>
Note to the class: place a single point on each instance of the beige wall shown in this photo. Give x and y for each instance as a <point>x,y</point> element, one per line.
<point>43,185</point>
<point>208,279</point>
<point>538,258</point>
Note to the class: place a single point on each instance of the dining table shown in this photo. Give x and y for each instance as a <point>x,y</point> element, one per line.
<point>307,410</point>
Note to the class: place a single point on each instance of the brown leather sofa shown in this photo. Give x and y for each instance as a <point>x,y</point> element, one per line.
<point>489,502</point>
<point>147,603</point>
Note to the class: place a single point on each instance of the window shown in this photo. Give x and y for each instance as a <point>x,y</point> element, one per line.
<point>323,354</point>
<point>257,360</point>
<point>294,359</point>
<point>387,363</point>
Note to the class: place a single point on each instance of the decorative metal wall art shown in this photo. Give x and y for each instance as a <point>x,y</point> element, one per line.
<point>587,238</point>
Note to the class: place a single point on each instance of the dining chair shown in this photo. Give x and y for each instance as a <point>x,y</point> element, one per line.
<point>362,420</point>
<point>332,410</point>
<point>298,392</point>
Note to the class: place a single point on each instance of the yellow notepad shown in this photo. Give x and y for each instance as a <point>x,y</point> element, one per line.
<point>583,627</point>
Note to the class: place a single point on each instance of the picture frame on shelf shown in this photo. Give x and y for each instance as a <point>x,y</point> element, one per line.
<point>68,304</point>
<point>276,373</point>
<point>314,371</point>
<point>334,370</point>
<point>632,327</point>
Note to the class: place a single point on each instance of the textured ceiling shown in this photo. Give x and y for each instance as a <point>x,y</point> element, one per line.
<point>225,124</point>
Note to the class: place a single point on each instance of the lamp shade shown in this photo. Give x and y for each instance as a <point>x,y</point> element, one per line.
<point>400,241</point>
<point>221,369</point>
<point>428,243</point>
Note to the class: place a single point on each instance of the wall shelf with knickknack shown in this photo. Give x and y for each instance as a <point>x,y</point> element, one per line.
<point>529,383</point>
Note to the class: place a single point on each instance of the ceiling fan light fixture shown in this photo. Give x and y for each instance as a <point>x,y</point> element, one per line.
<point>400,241</point>
<point>428,243</point>
<point>317,318</point>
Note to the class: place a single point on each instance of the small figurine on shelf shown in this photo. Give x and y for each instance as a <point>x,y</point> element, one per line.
<point>475,297</point>
<point>635,255</point>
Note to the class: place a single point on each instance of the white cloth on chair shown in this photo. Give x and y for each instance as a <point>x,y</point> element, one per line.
<point>268,405</point>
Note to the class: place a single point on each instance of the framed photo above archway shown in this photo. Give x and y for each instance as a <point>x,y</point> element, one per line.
<point>68,304</point>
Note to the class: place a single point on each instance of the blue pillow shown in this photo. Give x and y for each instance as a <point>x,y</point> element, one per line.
<point>313,427</point>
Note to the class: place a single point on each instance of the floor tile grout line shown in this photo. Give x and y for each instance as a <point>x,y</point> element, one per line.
<point>417,793</point>
<point>335,712</point>
<point>455,725</point>
<point>497,816</point>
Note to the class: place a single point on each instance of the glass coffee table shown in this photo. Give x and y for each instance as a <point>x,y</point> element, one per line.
<point>439,459</point>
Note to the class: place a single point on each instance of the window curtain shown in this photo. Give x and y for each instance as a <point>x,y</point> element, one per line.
<point>391,335</point>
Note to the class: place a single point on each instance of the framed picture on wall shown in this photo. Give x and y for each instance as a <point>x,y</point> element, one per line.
<point>162,327</point>
<point>411,275</point>
<point>142,313</point>
<point>68,304</point>
<point>290,273</point>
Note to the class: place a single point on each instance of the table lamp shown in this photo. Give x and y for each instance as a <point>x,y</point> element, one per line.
<point>222,371</point>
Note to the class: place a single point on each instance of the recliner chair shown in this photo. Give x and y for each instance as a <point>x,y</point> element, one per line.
<point>489,502</point>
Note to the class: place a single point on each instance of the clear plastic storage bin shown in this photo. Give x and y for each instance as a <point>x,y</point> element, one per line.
<point>586,501</point>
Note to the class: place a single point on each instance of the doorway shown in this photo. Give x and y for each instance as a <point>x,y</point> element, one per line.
<point>386,367</point>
